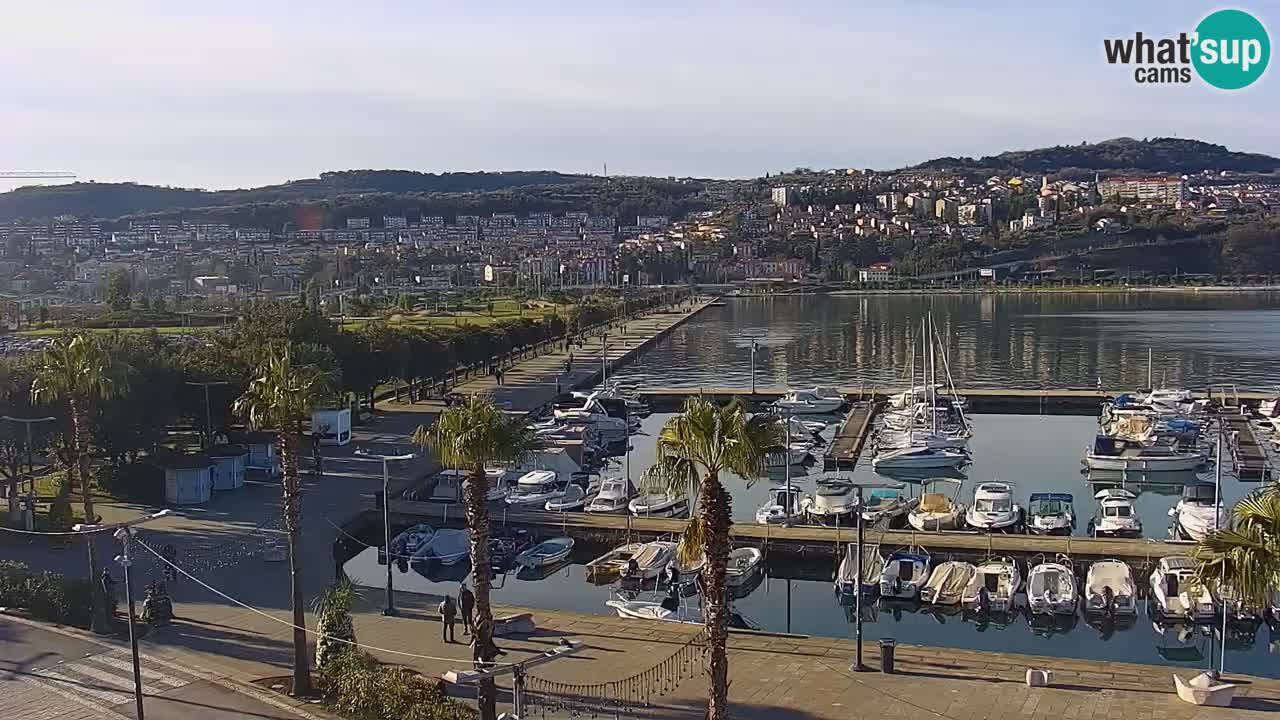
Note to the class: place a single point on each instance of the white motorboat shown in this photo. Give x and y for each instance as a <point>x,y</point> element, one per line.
<point>832,503</point>
<point>995,584</point>
<point>659,505</point>
<point>936,511</point>
<point>886,507</point>
<point>918,456</point>
<point>547,552</point>
<point>782,506</point>
<point>744,562</point>
<point>573,498</point>
<point>412,542</point>
<point>872,566</point>
<point>1198,513</point>
<point>650,561</point>
<point>793,454</point>
<point>947,582</point>
<point>690,566</point>
<point>1051,514</point>
<point>613,562</point>
<point>1109,589</point>
<point>594,414</point>
<point>641,609</point>
<point>1116,515</point>
<point>904,574</point>
<point>614,495</point>
<point>993,507</point>
<point>1175,593</point>
<point>1051,589</point>
<point>447,547</point>
<point>1112,453</point>
<point>808,402</point>
<point>536,488</point>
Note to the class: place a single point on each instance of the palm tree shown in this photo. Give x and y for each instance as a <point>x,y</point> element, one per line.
<point>281,397</point>
<point>1245,556</point>
<point>693,449</point>
<point>470,436</point>
<point>76,370</point>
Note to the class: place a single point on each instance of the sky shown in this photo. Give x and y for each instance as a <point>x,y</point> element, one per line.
<point>238,94</point>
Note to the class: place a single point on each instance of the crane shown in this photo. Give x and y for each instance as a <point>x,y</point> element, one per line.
<point>36,175</point>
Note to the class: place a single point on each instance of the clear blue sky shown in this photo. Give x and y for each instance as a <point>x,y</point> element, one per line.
<point>235,93</point>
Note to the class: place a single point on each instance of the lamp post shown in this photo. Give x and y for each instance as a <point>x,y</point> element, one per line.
<point>754,346</point>
<point>208,416</point>
<point>859,485</point>
<point>124,533</point>
<point>390,608</point>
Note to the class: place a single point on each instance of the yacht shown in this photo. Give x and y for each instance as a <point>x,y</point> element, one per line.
<point>1051,514</point>
<point>872,566</point>
<point>832,503</point>
<point>808,402</point>
<point>886,507</point>
<point>593,414</point>
<point>1116,516</point>
<point>904,574</point>
<point>659,505</point>
<point>948,582</point>
<point>1051,589</point>
<point>993,507</point>
<point>1175,594</point>
<point>783,506</point>
<point>1112,453</point>
<point>1001,580</point>
<point>536,488</point>
<point>918,456</point>
<point>1109,589</point>
<point>936,511</point>
<point>1198,513</point>
<point>614,495</point>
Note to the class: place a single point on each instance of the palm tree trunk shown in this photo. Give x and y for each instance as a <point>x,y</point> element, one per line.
<point>293,526</point>
<point>716,523</point>
<point>100,623</point>
<point>476,505</point>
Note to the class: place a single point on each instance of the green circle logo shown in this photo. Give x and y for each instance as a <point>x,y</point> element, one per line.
<point>1232,49</point>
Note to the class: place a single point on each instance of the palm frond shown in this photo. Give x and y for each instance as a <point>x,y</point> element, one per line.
<point>476,433</point>
<point>282,395</point>
<point>1244,558</point>
<point>76,366</point>
<point>691,543</point>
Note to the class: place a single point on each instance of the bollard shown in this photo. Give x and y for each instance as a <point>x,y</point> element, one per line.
<point>887,647</point>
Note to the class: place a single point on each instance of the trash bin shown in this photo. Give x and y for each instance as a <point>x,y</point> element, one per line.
<point>887,646</point>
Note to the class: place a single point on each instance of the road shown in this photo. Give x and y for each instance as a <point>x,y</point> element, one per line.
<point>46,675</point>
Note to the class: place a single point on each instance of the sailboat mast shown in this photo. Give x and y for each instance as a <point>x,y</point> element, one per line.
<point>1149,386</point>
<point>933,379</point>
<point>951,385</point>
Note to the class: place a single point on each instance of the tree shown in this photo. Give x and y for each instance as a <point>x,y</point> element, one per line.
<point>281,397</point>
<point>118,286</point>
<point>334,621</point>
<point>693,449</point>
<point>76,370</point>
<point>1245,556</point>
<point>469,437</point>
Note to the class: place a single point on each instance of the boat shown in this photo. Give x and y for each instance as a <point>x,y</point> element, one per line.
<point>612,563</point>
<point>936,511</point>
<point>918,456</point>
<point>641,609</point>
<point>679,567</point>
<point>886,507</point>
<point>993,507</point>
<point>1112,453</point>
<point>1237,610</point>
<point>536,488</point>
<point>872,566</point>
<point>1109,589</point>
<point>1051,514</point>
<point>1198,513</point>
<point>994,586</point>
<point>593,413</point>
<point>947,582</point>
<point>408,544</point>
<point>1116,516</point>
<point>649,562</point>
<point>891,439</point>
<point>573,498</point>
<point>904,575</point>
<point>1175,593</point>
<point>1051,588</point>
<point>744,562</point>
<point>545,553</point>
<point>832,503</point>
<point>793,453</point>
<point>614,495</point>
<point>808,402</point>
<point>783,506</point>
<point>447,547</point>
<point>659,505</point>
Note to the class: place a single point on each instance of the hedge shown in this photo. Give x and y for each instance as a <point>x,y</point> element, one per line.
<point>46,595</point>
<point>358,686</point>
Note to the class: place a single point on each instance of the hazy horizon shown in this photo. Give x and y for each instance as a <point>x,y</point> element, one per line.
<point>238,95</point>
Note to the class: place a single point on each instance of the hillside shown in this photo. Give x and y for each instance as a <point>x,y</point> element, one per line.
<point>1119,155</point>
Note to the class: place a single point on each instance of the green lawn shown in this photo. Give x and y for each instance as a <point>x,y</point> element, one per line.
<point>164,330</point>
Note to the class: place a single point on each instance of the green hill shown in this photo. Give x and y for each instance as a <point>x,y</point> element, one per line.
<point>1119,155</point>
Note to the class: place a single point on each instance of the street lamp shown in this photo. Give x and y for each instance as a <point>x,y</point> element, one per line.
<point>124,533</point>
<point>856,665</point>
<point>754,347</point>
<point>208,417</point>
<point>390,609</point>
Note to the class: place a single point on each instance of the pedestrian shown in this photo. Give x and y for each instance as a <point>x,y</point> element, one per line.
<point>467,601</point>
<point>170,554</point>
<point>108,591</point>
<point>568,366</point>
<point>498,372</point>
<point>557,387</point>
<point>448,616</point>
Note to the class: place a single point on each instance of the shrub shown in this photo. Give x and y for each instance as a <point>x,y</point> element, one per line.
<point>47,596</point>
<point>140,482</point>
<point>358,686</point>
<point>334,608</point>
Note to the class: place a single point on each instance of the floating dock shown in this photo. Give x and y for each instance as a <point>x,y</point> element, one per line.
<point>1250,459</point>
<point>847,444</point>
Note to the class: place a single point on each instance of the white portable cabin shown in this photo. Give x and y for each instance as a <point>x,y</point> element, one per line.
<point>188,479</point>
<point>229,463</point>
<point>333,426</point>
<point>261,447</point>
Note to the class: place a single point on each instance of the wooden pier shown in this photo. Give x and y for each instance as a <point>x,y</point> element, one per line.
<point>847,444</point>
<point>1250,459</point>
<point>801,539</point>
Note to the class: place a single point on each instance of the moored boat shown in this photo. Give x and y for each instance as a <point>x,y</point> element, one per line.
<point>1051,589</point>
<point>547,552</point>
<point>1109,589</point>
<point>994,586</point>
<point>947,582</point>
<point>936,511</point>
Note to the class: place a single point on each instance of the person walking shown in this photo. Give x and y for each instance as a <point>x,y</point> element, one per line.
<point>467,602</point>
<point>109,591</point>
<point>498,373</point>
<point>448,616</point>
